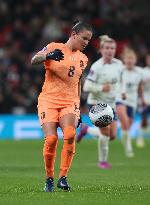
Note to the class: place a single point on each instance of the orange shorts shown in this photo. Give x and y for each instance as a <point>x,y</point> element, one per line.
<point>54,114</point>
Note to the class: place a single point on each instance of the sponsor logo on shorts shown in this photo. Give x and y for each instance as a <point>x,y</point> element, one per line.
<point>42,115</point>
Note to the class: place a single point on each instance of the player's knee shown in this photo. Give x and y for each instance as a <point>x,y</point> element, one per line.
<point>106,131</point>
<point>125,125</point>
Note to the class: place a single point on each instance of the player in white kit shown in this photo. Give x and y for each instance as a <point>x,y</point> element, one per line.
<point>146,108</point>
<point>132,77</point>
<point>101,83</point>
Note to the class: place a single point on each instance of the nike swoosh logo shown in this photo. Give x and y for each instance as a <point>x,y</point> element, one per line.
<point>61,184</point>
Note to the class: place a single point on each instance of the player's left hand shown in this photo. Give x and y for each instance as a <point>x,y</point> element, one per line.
<point>56,55</point>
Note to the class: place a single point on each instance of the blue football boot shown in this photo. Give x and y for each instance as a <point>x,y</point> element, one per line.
<point>63,184</point>
<point>49,185</point>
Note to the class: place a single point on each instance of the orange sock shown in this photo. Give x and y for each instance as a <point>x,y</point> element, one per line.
<point>49,154</point>
<point>68,150</point>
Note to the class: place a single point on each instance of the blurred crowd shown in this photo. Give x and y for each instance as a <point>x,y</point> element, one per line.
<point>26,26</point>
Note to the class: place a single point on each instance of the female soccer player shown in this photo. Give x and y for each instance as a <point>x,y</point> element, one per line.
<point>132,77</point>
<point>101,83</point>
<point>146,108</point>
<point>58,103</point>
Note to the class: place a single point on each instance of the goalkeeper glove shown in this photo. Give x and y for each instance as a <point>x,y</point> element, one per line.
<point>56,55</point>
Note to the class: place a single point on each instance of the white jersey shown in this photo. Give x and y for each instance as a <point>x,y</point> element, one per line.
<point>131,79</point>
<point>99,75</point>
<point>146,81</point>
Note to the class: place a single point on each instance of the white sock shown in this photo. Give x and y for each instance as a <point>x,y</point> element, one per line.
<point>103,148</point>
<point>94,131</point>
<point>140,138</point>
<point>143,131</point>
<point>126,139</point>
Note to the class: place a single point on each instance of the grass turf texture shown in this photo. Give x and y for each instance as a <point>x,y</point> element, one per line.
<point>22,176</point>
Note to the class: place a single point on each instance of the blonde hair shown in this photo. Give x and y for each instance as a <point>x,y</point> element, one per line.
<point>128,52</point>
<point>104,39</point>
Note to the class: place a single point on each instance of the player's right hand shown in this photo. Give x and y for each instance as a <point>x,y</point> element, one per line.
<point>106,87</point>
<point>55,55</point>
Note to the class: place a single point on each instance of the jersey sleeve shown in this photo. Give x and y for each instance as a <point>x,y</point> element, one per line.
<point>47,49</point>
<point>90,84</point>
<point>93,74</point>
<point>121,69</point>
<point>122,82</point>
<point>146,75</point>
<point>141,73</point>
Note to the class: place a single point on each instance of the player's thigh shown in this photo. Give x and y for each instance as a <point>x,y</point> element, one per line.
<point>50,128</point>
<point>130,114</point>
<point>68,120</point>
<point>49,120</point>
<point>122,115</point>
<point>69,116</point>
<point>130,122</point>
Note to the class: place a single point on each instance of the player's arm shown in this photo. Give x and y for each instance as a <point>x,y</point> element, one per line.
<point>91,84</point>
<point>38,58</point>
<point>44,55</point>
<point>141,92</point>
<point>92,87</point>
<point>123,86</point>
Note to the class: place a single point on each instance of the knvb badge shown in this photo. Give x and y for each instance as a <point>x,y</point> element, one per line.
<point>72,58</point>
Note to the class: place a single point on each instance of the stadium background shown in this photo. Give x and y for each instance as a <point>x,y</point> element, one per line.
<point>26,26</point>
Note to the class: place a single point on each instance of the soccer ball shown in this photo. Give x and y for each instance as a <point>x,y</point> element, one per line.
<point>101,115</point>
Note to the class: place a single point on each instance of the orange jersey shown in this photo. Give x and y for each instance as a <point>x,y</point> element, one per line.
<point>61,86</point>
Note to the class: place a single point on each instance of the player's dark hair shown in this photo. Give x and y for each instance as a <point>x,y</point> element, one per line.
<point>81,25</point>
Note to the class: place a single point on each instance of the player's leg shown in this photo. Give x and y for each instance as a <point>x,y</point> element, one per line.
<point>113,130</point>
<point>68,123</point>
<point>103,147</point>
<point>140,139</point>
<point>123,113</point>
<point>85,129</point>
<point>50,144</point>
<point>144,125</point>
<point>106,134</point>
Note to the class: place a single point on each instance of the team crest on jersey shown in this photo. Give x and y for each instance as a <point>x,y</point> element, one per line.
<point>42,115</point>
<point>72,58</point>
<point>81,63</point>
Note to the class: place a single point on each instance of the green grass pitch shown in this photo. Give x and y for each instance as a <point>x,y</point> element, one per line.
<point>22,176</point>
